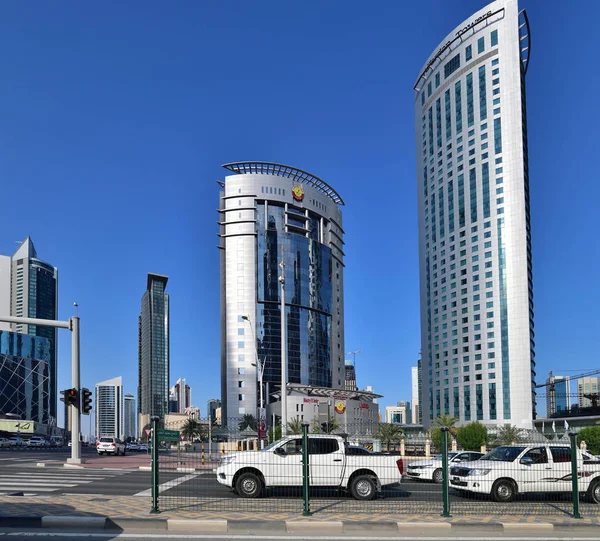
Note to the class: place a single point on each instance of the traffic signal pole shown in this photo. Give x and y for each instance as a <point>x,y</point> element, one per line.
<point>73,326</point>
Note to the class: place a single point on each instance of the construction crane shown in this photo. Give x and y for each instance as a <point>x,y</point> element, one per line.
<point>550,384</point>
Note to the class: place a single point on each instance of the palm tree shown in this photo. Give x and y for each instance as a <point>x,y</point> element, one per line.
<point>448,421</point>
<point>248,421</point>
<point>295,426</point>
<point>191,429</point>
<point>389,433</point>
<point>509,434</point>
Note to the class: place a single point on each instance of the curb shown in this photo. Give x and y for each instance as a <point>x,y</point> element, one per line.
<point>76,523</point>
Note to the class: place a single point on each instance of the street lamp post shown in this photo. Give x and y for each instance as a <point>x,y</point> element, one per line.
<point>283,351</point>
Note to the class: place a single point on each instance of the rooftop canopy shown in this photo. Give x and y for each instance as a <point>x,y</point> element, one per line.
<point>279,170</point>
<point>326,392</point>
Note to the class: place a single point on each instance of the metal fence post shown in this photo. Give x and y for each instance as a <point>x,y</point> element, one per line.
<point>574,475</point>
<point>305,472</point>
<point>446,512</point>
<point>154,509</point>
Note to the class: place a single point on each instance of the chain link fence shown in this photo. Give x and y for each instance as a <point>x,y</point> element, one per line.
<point>226,467</point>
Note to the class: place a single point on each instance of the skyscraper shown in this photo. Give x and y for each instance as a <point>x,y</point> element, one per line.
<point>109,408</point>
<point>153,351</point>
<point>180,395</point>
<point>129,429</point>
<point>558,394</point>
<point>589,386</point>
<point>474,224</point>
<point>29,288</point>
<point>269,211</point>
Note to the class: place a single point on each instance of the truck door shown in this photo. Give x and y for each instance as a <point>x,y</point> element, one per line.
<point>561,468</point>
<point>284,467</point>
<point>327,461</point>
<point>534,471</point>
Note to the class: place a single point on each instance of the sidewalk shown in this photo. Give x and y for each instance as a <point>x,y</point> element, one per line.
<point>122,511</point>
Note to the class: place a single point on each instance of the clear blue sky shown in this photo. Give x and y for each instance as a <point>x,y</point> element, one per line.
<point>116,117</point>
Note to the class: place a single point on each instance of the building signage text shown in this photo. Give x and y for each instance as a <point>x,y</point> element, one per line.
<point>311,400</point>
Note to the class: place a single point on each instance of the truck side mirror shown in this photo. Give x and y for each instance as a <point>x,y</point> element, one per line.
<point>280,451</point>
<point>527,461</point>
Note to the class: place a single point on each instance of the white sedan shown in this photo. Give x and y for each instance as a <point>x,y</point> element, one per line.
<point>431,468</point>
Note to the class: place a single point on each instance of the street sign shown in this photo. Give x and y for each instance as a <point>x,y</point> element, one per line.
<point>168,435</point>
<point>262,423</point>
<point>148,431</point>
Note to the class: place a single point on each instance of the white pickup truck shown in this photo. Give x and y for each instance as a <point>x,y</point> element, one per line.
<point>280,464</point>
<point>512,469</point>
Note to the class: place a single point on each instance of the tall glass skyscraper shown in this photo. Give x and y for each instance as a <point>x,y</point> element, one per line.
<point>29,288</point>
<point>474,223</point>
<point>269,211</point>
<point>110,415</point>
<point>129,430</point>
<point>153,351</point>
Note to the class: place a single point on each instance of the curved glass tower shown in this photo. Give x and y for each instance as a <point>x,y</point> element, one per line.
<point>474,226</point>
<point>269,212</point>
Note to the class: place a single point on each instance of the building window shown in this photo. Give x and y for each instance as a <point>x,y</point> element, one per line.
<point>482,96</point>
<point>437,79</point>
<point>473,190</point>
<point>470,109</point>
<point>451,66</point>
<point>480,45</point>
<point>468,53</point>
<point>429,89</point>
<point>458,100</point>
<point>448,115</point>
<point>494,38</point>
<point>497,135</point>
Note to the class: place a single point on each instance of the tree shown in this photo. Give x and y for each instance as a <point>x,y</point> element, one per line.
<point>436,438</point>
<point>448,421</point>
<point>591,436</point>
<point>509,434</point>
<point>326,428</point>
<point>248,421</point>
<point>472,436</point>
<point>277,435</point>
<point>191,429</point>
<point>295,426</point>
<point>389,433</point>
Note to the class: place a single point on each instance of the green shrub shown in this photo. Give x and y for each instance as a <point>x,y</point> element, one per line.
<point>472,436</point>
<point>591,436</point>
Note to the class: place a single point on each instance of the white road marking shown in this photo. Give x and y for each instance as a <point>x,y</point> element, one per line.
<point>169,484</point>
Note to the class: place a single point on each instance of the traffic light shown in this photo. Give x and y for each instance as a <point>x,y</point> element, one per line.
<point>70,397</point>
<point>86,401</point>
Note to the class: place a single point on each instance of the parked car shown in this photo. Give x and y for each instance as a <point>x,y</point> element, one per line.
<point>4,442</point>
<point>110,446</point>
<point>512,469</point>
<point>280,464</point>
<point>16,441</point>
<point>36,441</point>
<point>143,447</point>
<point>431,469</point>
<point>132,446</point>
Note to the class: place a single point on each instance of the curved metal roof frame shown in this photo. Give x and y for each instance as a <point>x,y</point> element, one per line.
<point>280,170</point>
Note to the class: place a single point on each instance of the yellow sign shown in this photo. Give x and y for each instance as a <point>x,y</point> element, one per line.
<point>298,193</point>
<point>340,407</point>
<point>9,425</point>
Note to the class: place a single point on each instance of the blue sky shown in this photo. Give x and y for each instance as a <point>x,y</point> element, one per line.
<point>117,117</point>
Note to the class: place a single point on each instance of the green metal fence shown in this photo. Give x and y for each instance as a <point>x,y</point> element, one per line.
<point>204,467</point>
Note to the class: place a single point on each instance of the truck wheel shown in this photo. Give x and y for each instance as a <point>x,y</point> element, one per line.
<point>248,485</point>
<point>363,487</point>
<point>503,491</point>
<point>438,476</point>
<point>593,493</point>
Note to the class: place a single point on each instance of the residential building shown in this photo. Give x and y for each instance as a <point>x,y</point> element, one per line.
<point>587,386</point>
<point>153,351</point>
<point>110,416</point>
<point>477,337</point>
<point>558,395</point>
<point>269,212</point>
<point>350,375</point>
<point>129,416</point>
<point>25,376</point>
<point>29,288</point>
<point>414,373</point>
<point>180,397</point>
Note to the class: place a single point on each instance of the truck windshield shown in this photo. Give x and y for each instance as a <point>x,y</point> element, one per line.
<point>504,453</point>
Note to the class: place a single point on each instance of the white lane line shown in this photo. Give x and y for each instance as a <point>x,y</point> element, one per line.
<point>9,483</point>
<point>37,489</point>
<point>169,484</point>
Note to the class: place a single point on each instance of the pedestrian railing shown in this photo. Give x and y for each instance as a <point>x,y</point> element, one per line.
<point>234,470</point>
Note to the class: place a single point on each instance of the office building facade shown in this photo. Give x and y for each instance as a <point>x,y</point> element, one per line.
<point>474,222</point>
<point>129,416</point>
<point>558,395</point>
<point>25,376</point>
<point>269,211</point>
<point>587,386</point>
<point>110,414</point>
<point>29,288</point>
<point>153,351</point>
<point>414,380</point>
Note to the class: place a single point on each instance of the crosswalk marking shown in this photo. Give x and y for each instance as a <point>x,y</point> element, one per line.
<point>169,484</point>
<point>50,480</point>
